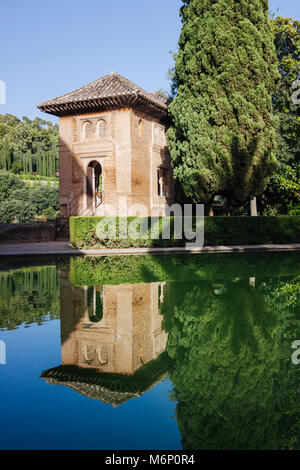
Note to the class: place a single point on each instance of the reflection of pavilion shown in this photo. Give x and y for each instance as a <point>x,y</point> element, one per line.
<point>111,340</point>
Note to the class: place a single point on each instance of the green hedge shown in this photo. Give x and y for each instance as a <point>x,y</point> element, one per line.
<point>218,231</point>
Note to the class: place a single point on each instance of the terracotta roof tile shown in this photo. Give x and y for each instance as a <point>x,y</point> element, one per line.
<point>110,91</point>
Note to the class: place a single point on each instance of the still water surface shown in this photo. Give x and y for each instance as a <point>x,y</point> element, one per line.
<point>150,352</point>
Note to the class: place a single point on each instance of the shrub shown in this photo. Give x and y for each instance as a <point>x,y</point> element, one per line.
<point>8,183</point>
<point>16,211</point>
<point>217,231</point>
<point>16,167</point>
<point>22,194</point>
<point>20,200</point>
<point>44,198</point>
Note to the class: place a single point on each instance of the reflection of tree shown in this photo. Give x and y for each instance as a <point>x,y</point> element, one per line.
<point>233,378</point>
<point>28,295</point>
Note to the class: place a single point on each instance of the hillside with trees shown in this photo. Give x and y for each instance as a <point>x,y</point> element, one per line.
<point>28,146</point>
<point>28,169</point>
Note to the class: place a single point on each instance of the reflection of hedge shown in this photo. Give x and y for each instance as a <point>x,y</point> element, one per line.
<point>218,231</point>
<point>153,268</point>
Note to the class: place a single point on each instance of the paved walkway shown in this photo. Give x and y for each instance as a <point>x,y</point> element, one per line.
<point>64,248</point>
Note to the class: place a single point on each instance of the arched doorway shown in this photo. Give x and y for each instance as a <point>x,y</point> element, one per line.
<point>94,190</point>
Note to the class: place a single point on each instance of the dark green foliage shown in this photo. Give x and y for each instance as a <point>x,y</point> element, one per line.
<point>22,194</point>
<point>83,232</point>
<point>22,202</point>
<point>44,198</point>
<point>8,184</point>
<point>287,42</point>
<point>234,382</point>
<point>223,136</point>
<point>28,295</point>
<point>218,231</point>
<point>283,191</point>
<point>282,194</point>
<point>247,231</point>
<point>16,211</point>
<point>90,271</point>
<point>16,167</point>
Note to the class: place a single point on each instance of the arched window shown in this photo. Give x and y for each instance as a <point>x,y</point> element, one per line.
<point>159,135</point>
<point>155,134</point>
<point>88,131</point>
<point>140,127</point>
<point>101,129</point>
<point>162,136</point>
<point>163,182</point>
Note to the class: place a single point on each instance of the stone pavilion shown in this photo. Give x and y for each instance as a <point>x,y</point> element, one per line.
<point>112,151</point>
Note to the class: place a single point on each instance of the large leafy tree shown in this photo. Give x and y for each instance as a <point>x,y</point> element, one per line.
<point>223,133</point>
<point>283,190</point>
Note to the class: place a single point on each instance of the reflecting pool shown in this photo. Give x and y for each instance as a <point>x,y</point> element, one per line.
<point>150,352</point>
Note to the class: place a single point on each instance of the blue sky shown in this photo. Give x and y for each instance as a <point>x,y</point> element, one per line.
<point>48,48</point>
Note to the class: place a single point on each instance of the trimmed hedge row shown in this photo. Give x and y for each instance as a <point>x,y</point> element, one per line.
<point>217,231</point>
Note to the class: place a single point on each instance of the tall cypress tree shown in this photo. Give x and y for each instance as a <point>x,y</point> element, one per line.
<point>28,159</point>
<point>223,134</point>
<point>53,155</point>
<point>38,161</point>
<point>24,163</point>
<point>2,159</point>
<point>56,163</point>
<point>44,165</point>
<point>5,156</point>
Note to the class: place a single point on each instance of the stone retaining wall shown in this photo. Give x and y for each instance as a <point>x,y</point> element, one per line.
<point>34,231</point>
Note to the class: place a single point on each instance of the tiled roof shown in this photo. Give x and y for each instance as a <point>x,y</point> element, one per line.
<point>95,391</point>
<point>109,387</point>
<point>109,92</point>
